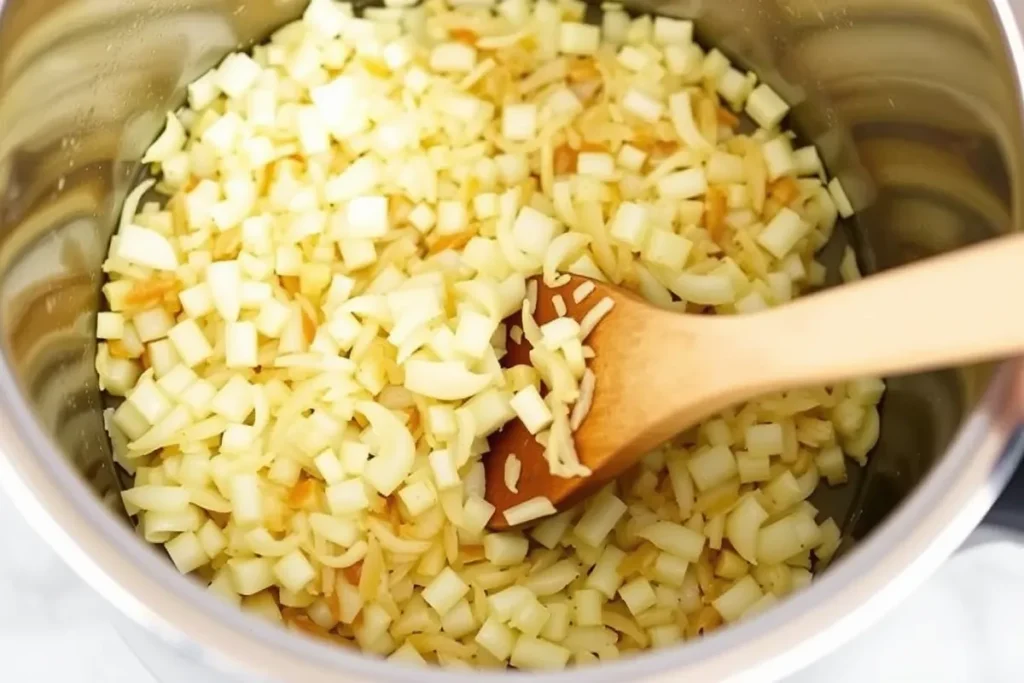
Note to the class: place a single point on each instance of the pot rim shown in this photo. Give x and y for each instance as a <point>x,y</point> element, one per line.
<point>884,568</point>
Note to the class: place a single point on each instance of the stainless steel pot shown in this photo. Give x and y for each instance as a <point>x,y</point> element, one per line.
<point>915,104</point>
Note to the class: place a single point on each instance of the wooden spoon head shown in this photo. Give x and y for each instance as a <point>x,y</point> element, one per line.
<point>605,440</point>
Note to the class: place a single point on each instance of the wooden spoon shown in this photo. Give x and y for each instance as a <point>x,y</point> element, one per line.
<point>659,372</point>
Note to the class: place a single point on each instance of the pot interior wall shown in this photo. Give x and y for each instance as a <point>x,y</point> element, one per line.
<point>912,103</point>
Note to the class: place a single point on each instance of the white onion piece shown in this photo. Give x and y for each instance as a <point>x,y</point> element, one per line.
<point>485,294</point>
<point>443,380</point>
<point>509,204</point>
<point>392,543</point>
<point>262,543</point>
<point>681,112</point>
<point>563,250</point>
<point>131,202</point>
<point>394,462</point>
<point>348,558</point>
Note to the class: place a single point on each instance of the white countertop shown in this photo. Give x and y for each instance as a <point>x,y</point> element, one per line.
<point>964,625</point>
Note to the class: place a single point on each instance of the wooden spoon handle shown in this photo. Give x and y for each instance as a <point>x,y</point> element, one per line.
<point>954,309</point>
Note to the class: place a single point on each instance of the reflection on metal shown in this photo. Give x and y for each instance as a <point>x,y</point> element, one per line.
<point>914,103</point>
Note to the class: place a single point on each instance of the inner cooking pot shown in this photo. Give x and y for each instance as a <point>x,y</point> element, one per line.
<point>914,105</point>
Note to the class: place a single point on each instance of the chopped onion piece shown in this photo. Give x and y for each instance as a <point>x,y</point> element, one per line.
<point>536,653</point>
<point>783,232</point>
<point>674,538</point>
<point>630,225</point>
<point>579,39</point>
<point>513,469</point>
<point>712,467</point>
<point>505,550</point>
<point>708,290</point>
<point>766,107</point>
<point>519,121</point>
<point>157,498</point>
<point>563,250</point>
<point>395,458</point>
<point>146,247</point>
<point>595,315</point>
<point>293,571</point>
<point>443,380</point>
<point>186,552</point>
<point>737,600</point>
<point>598,521</point>
<point>529,510</point>
<point>683,184</point>
<point>580,409</point>
<point>638,595</point>
<point>497,638</point>
<point>741,527</point>
<point>642,105</point>
<point>842,201</point>
<point>445,591</point>
<point>681,112</point>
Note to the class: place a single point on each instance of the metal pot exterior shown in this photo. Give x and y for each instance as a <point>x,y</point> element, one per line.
<point>915,104</point>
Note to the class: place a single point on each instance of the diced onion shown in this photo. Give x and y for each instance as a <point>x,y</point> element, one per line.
<point>146,247</point>
<point>536,653</point>
<point>742,596</point>
<point>497,638</point>
<point>712,467</point>
<point>444,380</point>
<point>513,469</point>
<point>505,550</point>
<point>395,459</point>
<point>638,595</point>
<point>842,202</point>
<point>529,510</point>
<point>595,315</point>
<point>674,538</point>
<point>157,498</point>
<point>531,409</point>
<point>308,329</point>
<point>741,527</point>
<point>766,107</point>
<point>599,520</point>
